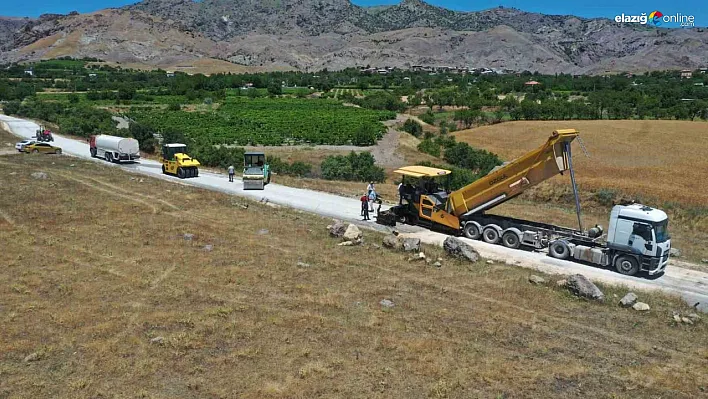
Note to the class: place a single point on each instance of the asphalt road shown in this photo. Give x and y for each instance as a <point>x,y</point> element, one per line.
<point>689,284</point>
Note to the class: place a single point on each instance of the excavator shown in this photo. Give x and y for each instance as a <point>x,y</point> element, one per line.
<point>637,239</point>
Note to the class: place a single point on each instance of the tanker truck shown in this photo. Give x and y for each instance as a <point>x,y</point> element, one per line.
<point>114,149</point>
<point>637,239</point>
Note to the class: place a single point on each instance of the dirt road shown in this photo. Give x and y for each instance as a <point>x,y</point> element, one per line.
<point>689,284</point>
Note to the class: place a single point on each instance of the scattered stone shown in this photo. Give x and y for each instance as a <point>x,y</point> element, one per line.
<point>440,259</point>
<point>582,287</point>
<point>337,229</point>
<point>675,252</point>
<point>693,316</point>
<point>490,262</point>
<point>387,303</point>
<point>411,244</point>
<point>628,300</point>
<point>687,320</point>
<point>392,241</point>
<point>677,317</point>
<point>641,307</point>
<point>188,236</point>
<point>39,175</point>
<point>395,232</point>
<point>538,280</point>
<point>33,357</point>
<point>421,255</point>
<point>437,264</point>
<point>263,232</point>
<point>158,340</point>
<point>459,249</point>
<point>352,233</point>
<point>346,244</point>
<point>13,173</point>
<point>303,265</point>
<point>376,246</point>
<point>561,283</point>
<point>141,180</point>
<point>208,247</point>
<point>72,165</point>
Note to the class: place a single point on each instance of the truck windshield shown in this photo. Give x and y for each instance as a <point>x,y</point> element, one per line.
<point>661,229</point>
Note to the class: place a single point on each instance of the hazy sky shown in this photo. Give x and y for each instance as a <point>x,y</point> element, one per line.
<point>583,8</point>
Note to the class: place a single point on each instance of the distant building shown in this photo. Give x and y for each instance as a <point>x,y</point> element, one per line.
<point>532,83</point>
<point>92,75</point>
<point>170,74</point>
<point>703,70</point>
<point>29,72</point>
<point>382,71</point>
<point>686,73</point>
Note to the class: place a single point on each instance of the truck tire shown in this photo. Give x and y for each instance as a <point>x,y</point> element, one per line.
<point>490,235</point>
<point>196,172</point>
<point>559,249</point>
<point>471,231</point>
<point>511,240</point>
<point>93,153</point>
<point>164,171</point>
<point>108,157</point>
<point>180,173</point>
<point>627,265</point>
<point>58,151</point>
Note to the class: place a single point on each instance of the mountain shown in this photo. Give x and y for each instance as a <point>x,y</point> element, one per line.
<point>220,35</point>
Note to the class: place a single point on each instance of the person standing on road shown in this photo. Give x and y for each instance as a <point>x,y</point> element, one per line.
<point>400,193</point>
<point>370,188</point>
<point>372,199</point>
<point>231,173</point>
<point>365,206</point>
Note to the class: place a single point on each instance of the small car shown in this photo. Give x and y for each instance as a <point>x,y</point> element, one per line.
<point>20,146</point>
<point>42,147</point>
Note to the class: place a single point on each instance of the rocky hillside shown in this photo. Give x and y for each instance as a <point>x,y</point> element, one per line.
<point>314,34</point>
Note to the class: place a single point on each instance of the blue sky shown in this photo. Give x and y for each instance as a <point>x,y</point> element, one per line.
<point>583,8</point>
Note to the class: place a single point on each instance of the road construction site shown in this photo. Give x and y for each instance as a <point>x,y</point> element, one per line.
<point>689,284</point>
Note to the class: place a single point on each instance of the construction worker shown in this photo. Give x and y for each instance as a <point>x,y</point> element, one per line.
<point>365,206</point>
<point>372,198</point>
<point>231,173</point>
<point>378,208</point>
<point>400,193</point>
<point>370,188</point>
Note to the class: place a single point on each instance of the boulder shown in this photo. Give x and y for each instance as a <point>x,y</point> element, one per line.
<point>459,249</point>
<point>33,357</point>
<point>582,287</point>
<point>561,283</point>
<point>337,229</point>
<point>39,175</point>
<point>693,316</point>
<point>188,236</point>
<point>628,300</point>
<point>392,241</point>
<point>411,244</point>
<point>352,233</point>
<point>387,303</point>
<point>641,307</point>
<point>346,244</point>
<point>303,265</point>
<point>437,264</point>
<point>687,320</point>
<point>158,340</point>
<point>538,280</point>
<point>675,252</point>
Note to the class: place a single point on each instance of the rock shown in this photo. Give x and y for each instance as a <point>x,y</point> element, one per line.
<point>628,300</point>
<point>208,247</point>
<point>395,233</point>
<point>303,265</point>
<point>39,175</point>
<point>538,280</point>
<point>561,283</point>
<point>13,173</point>
<point>33,357</point>
<point>158,340</point>
<point>263,232</point>
<point>693,316</point>
<point>582,287</point>
<point>72,165</point>
<point>437,264</point>
<point>188,236</point>
<point>352,234</point>
<point>421,255</point>
<point>411,244</point>
<point>376,246</point>
<point>346,244</point>
<point>460,250</point>
<point>440,259</point>
<point>490,262</point>
<point>675,252</point>
<point>641,307</point>
<point>387,303</point>
<point>337,229</point>
<point>392,241</point>
<point>687,320</point>
<point>702,260</point>
<point>677,318</point>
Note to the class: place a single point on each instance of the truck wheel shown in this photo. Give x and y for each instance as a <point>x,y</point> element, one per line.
<point>58,151</point>
<point>490,235</point>
<point>35,151</point>
<point>180,173</point>
<point>196,172</point>
<point>511,240</point>
<point>627,265</point>
<point>559,249</point>
<point>164,171</point>
<point>93,153</point>
<point>108,157</point>
<point>472,231</point>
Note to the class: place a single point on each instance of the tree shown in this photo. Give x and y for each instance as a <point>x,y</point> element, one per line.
<point>144,136</point>
<point>12,108</point>
<point>275,89</point>
<point>413,127</point>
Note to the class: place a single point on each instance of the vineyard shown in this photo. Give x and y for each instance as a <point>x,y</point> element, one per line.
<point>341,92</point>
<point>264,121</point>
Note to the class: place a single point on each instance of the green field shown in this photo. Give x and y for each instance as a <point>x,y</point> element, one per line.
<point>266,121</point>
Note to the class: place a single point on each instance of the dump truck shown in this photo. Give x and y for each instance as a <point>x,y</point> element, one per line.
<point>113,148</point>
<point>175,161</point>
<point>256,172</point>
<point>637,239</point>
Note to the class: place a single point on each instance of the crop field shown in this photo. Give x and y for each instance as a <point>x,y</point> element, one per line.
<point>245,121</point>
<point>340,92</point>
<point>105,296</point>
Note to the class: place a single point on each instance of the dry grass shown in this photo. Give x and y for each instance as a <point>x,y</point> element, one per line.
<point>660,163</point>
<point>95,267</point>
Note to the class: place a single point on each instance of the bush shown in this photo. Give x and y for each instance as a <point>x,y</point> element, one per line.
<point>458,178</point>
<point>12,108</point>
<point>430,147</point>
<point>144,136</point>
<point>280,167</point>
<point>174,107</point>
<point>606,196</point>
<point>413,127</point>
<point>428,117</point>
<point>352,167</point>
<point>464,156</point>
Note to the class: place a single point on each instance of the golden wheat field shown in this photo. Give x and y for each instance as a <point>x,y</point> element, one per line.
<point>666,161</point>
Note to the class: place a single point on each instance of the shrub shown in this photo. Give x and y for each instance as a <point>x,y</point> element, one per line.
<point>464,156</point>
<point>458,178</point>
<point>413,127</point>
<point>606,196</point>
<point>352,167</point>
<point>428,117</point>
<point>430,147</point>
<point>12,108</point>
<point>299,169</point>
<point>174,107</point>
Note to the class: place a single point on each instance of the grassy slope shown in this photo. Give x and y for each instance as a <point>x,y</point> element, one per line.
<point>95,266</point>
